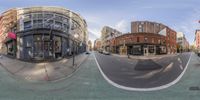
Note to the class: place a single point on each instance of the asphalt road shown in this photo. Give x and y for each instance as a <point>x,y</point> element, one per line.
<point>88,84</point>
<point>144,73</point>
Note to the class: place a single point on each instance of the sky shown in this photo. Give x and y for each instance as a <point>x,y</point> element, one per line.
<point>180,15</point>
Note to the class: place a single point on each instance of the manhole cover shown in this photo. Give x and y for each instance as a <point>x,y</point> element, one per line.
<point>56,68</point>
<point>194,88</point>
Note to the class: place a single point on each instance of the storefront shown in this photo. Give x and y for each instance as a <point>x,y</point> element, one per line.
<point>10,42</point>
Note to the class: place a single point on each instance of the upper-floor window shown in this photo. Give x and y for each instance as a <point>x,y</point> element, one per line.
<point>138,39</point>
<point>27,25</point>
<point>48,16</point>
<point>58,25</point>
<point>140,28</point>
<point>159,41</point>
<point>58,18</point>
<point>152,40</point>
<point>145,39</point>
<point>27,17</point>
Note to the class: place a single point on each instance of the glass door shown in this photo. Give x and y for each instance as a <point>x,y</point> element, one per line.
<point>38,47</point>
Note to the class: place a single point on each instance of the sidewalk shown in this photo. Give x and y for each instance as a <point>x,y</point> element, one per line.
<point>45,71</point>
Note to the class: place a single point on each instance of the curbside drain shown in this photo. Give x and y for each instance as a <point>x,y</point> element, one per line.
<point>194,88</point>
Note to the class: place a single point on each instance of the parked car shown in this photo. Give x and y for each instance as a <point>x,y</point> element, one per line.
<point>106,53</point>
<point>198,53</point>
<point>100,51</point>
<point>87,52</point>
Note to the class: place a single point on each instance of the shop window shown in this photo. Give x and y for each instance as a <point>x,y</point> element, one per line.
<point>57,44</point>
<point>151,49</point>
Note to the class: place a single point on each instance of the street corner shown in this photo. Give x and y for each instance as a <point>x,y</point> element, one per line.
<point>42,71</point>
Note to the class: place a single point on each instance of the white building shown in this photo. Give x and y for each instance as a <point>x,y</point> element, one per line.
<point>182,42</point>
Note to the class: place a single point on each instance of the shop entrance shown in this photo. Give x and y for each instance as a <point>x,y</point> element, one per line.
<point>146,52</point>
<point>42,48</point>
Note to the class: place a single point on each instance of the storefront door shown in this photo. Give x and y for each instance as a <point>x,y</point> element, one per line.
<point>42,47</point>
<point>145,51</point>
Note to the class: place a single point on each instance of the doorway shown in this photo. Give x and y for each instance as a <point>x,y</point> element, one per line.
<point>146,52</point>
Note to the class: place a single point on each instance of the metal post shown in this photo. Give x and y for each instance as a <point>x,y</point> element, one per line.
<point>73,53</point>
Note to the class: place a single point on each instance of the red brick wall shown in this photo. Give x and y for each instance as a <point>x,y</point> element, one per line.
<point>131,38</point>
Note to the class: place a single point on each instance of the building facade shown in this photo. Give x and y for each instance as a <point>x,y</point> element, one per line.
<point>8,22</point>
<point>90,45</point>
<point>97,44</point>
<point>108,33</point>
<point>139,44</point>
<point>197,39</point>
<point>157,28</point>
<point>47,33</point>
<point>182,43</point>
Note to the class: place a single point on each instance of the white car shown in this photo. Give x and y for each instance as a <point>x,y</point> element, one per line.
<point>106,53</point>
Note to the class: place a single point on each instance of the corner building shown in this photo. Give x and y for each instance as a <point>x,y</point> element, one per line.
<point>47,33</point>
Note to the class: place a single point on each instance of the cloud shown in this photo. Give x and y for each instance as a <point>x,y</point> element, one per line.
<point>95,32</point>
<point>189,26</point>
<point>122,26</point>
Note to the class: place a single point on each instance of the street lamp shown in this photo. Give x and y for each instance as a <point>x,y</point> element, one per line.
<point>75,37</point>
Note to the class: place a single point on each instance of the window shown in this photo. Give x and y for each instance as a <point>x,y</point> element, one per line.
<point>145,39</point>
<point>27,17</point>
<point>27,25</point>
<point>58,18</point>
<point>58,25</point>
<point>40,16</point>
<point>47,16</point>
<point>65,20</point>
<point>152,40</point>
<point>138,39</point>
<point>140,28</point>
<point>159,41</point>
<point>37,24</point>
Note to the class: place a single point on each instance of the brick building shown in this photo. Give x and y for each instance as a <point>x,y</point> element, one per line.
<point>139,44</point>
<point>157,28</point>
<point>8,23</point>
<point>197,39</point>
<point>146,38</point>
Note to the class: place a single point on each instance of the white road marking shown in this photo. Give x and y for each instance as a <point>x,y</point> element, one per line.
<point>181,67</point>
<point>148,75</point>
<point>142,89</point>
<point>168,67</point>
<point>179,60</point>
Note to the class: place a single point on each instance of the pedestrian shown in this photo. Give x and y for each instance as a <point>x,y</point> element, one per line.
<point>128,56</point>
<point>1,56</point>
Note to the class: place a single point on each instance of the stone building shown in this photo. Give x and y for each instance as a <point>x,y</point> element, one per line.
<point>45,32</point>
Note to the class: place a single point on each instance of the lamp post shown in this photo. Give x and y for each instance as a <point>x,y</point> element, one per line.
<point>75,37</point>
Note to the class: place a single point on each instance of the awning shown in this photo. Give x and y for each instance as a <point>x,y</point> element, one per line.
<point>12,35</point>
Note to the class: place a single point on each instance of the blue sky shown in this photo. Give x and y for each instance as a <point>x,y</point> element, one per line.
<point>180,15</point>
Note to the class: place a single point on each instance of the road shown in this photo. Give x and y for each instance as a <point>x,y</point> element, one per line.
<point>142,73</point>
<point>88,84</point>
